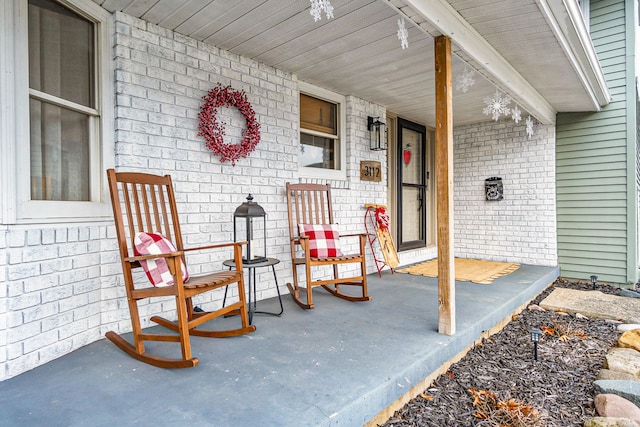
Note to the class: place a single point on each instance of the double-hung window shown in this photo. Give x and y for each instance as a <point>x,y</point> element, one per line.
<point>63,118</point>
<point>63,129</point>
<point>322,148</point>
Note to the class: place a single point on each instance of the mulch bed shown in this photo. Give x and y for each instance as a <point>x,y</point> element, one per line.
<point>510,388</point>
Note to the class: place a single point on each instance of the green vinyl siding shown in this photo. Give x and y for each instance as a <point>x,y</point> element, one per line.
<point>596,224</point>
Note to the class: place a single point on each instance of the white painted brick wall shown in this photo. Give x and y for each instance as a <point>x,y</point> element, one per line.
<point>522,227</point>
<point>53,293</point>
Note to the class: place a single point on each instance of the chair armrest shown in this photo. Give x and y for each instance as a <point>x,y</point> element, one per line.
<point>303,241</point>
<point>353,235</point>
<point>137,258</point>
<point>219,245</point>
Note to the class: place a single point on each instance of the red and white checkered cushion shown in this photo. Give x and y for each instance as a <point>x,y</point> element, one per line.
<point>157,269</point>
<point>323,240</point>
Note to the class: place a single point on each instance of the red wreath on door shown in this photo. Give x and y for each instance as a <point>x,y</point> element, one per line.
<point>214,133</point>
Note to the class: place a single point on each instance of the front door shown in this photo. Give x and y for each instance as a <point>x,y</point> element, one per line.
<point>412,185</point>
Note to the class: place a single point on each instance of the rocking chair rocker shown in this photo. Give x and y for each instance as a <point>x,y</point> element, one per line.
<point>311,228</point>
<point>144,203</point>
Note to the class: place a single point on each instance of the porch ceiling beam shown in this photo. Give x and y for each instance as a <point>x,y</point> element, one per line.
<point>449,22</point>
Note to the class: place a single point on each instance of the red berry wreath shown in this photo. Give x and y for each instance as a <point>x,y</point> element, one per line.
<point>214,133</point>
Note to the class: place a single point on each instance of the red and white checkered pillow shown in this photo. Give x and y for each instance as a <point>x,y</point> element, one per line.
<point>323,240</point>
<point>157,269</point>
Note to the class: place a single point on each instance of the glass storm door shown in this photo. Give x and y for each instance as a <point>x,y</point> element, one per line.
<point>412,185</point>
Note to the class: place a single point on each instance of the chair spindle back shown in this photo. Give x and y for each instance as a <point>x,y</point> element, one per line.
<point>143,203</point>
<point>308,204</point>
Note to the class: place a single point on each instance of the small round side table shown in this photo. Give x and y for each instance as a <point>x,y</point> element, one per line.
<point>269,262</point>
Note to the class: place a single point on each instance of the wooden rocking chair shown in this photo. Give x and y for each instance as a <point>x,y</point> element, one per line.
<point>144,203</point>
<point>309,205</point>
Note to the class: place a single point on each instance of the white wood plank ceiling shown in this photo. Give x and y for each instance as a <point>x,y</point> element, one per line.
<point>358,51</point>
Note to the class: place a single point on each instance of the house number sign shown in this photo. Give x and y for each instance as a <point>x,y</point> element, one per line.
<point>370,171</point>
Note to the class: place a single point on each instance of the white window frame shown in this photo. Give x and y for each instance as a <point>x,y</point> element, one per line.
<point>340,100</point>
<point>17,206</point>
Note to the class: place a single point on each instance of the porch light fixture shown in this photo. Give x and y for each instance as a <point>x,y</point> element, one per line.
<point>594,280</point>
<point>377,135</point>
<point>535,339</point>
<point>248,227</point>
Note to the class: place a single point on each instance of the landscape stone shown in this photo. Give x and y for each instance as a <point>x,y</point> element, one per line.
<point>624,327</point>
<point>630,390</point>
<point>610,422</point>
<point>612,405</point>
<point>608,374</point>
<point>630,339</point>
<point>629,293</point>
<point>623,360</point>
<point>593,304</point>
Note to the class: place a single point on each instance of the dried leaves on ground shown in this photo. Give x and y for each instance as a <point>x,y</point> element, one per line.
<point>498,383</point>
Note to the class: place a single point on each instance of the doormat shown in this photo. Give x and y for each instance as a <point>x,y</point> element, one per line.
<point>466,270</point>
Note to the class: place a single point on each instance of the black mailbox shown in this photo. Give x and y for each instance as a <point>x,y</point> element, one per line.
<point>493,188</point>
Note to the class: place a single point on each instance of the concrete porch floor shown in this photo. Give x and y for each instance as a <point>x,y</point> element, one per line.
<point>337,365</point>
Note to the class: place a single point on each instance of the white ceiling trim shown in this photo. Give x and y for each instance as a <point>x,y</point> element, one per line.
<point>576,42</point>
<point>450,23</point>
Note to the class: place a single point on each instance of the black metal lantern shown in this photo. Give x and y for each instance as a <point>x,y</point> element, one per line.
<point>248,226</point>
<point>594,280</point>
<point>377,136</point>
<point>535,339</point>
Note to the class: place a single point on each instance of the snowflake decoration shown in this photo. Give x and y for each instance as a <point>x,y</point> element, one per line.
<point>529,123</point>
<point>465,80</point>
<point>319,6</point>
<point>497,106</point>
<point>403,34</point>
<point>516,115</point>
